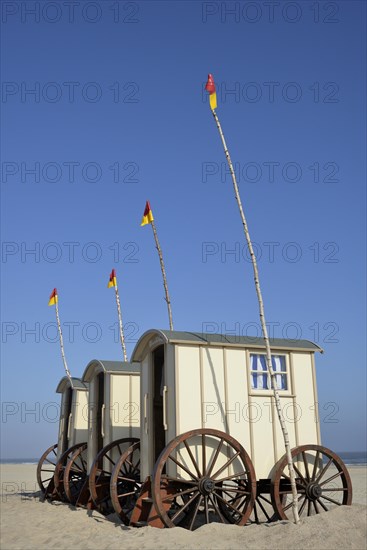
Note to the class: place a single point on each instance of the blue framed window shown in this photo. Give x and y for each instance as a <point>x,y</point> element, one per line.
<point>260,377</point>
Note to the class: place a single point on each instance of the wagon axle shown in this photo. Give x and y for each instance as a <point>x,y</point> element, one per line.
<point>206,485</point>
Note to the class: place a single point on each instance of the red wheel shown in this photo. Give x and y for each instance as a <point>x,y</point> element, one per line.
<point>100,474</point>
<point>75,473</point>
<point>322,480</point>
<point>60,471</point>
<point>46,468</point>
<point>125,482</point>
<point>202,476</point>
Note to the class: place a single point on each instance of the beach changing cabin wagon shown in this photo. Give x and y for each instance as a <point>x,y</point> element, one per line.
<point>113,425</point>
<point>73,430</point>
<point>211,447</point>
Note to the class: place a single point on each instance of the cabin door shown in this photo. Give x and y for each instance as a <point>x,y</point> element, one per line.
<point>100,407</point>
<point>158,433</point>
<point>67,420</point>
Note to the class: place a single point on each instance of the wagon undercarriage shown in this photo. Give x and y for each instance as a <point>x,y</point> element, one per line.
<point>213,481</point>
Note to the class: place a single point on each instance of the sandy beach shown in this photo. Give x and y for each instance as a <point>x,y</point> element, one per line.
<point>27,523</point>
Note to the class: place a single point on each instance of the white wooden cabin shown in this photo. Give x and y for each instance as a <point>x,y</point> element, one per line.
<point>73,425</point>
<point>114,403</point>
<point>194,380</point>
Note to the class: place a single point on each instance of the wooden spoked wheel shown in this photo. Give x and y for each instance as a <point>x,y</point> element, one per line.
<point>46,468</point>
<point>75,473</point>
<point>203,476</point>
<point>322,480</point>
<point>125,482</point>
<point>101,471</point>
<point>60,471</point>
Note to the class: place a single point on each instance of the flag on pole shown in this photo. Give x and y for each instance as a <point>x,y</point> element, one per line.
<point>148,215</point>
<point>210,87</point>
<point>113,281</point>
<point>53,298</point>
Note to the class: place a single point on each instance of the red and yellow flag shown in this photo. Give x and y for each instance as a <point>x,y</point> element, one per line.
<point>53,298</point>
<point>113,281</point>
<point>148,215</point>
<point>210,87</point>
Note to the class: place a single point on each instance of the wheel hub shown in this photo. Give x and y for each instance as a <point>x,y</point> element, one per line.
<point>313,491</point>
<point>206,486</point>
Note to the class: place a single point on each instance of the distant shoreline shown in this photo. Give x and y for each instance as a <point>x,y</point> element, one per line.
<point>352,458</point>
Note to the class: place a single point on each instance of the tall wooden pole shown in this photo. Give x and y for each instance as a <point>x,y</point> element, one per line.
<point>62,344</point>
<point>121,326</point>
<point>159,250</point>
<point>263,325</point>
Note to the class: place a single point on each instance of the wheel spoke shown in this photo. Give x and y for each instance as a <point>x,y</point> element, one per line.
<point>323,505</point>
<point>230,477</point>
<point>309,507</point>
<point>50,461</point>
<point>266,500</point>
<point>217,509</point>
<point>206,508</point>
<point>291,503</point>
<point>195,512</point>
<point>126,479</point>
<point>183,467</point>
<point>48,479</point>
<point>331,500</point>
<point>126,494</point>
<point>103,484</point>
<point>171,497</point>
<point>314,470</point>
<point>263,509</point>
<point>226,465</point>
<point>302,506</point>
<point>227,503</point>
<point>331,489</point>
<point>315,506</point>
<point>234,490</point>
<point>215,456</point>
<point>204,455</point>
<point>324,470</point>
<point>183,481</point>
<point>192,458</point>
<point>289,491</point>
<point>255,512</point>
<point>185,506</point>
<point>299,474</point>
<point>110,459</point>
<point>305,462</point>
<point>330,478</point>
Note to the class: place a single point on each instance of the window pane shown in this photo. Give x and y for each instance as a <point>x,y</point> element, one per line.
<point>278,362</point>
<point>258,362</point>
<point>281,381</point>
<point>259,381</point>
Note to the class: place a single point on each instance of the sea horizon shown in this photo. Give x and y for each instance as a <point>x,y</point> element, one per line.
<point>350,458</point>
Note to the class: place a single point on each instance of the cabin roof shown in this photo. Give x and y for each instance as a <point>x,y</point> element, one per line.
<point>100,365</point>
<point>65,383</point>
<point>226,340</point>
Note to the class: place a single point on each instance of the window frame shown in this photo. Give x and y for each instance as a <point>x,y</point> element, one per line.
<point>269,391</point>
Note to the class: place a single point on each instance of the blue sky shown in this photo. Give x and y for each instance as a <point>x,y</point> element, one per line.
<point>118,116</point>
